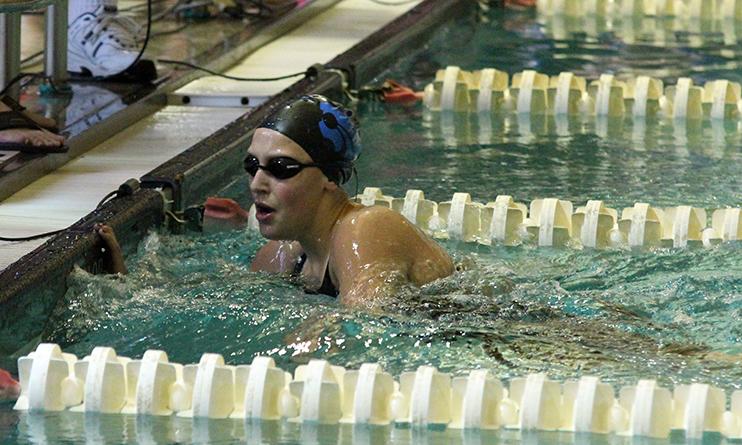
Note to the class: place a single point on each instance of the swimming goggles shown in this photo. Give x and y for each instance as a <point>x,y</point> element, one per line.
<point>280,167</point>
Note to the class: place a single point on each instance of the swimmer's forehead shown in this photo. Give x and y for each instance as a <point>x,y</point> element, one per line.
<point>268,142</point>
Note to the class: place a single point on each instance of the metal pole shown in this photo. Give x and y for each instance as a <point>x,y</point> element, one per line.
<point>55,49</point>
<point>10,50</point>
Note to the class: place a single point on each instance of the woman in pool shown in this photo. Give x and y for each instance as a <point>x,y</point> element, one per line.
<point>297,161</point>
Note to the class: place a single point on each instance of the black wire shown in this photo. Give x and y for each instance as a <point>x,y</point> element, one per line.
<point>355,173</point>
<point>31,57</point>
<point>32,237</point>
<point>226,76</point>
<point>105,198</point>
<point>54,232</point>
<point>146,37</point>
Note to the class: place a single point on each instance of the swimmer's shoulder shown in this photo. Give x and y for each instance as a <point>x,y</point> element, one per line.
<point>375,218</point>
<point>277,257</point>
<point>380,235</point>
<point>382,227</point>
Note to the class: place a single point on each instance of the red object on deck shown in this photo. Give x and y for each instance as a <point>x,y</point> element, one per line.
<point>222,214</point>
<point>394,92</point>
<point>9,388</point>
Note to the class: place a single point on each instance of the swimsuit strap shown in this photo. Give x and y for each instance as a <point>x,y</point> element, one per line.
<point>327,287</point>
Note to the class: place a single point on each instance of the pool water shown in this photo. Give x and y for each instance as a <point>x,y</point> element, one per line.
<point>668,314</point>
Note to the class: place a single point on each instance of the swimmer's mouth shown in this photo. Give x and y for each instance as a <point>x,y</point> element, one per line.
<point>262,211</point>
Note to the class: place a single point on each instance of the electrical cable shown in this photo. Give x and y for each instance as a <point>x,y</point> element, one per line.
<point>33,56</point>
<point>32,237</point>
<point>226,76</point>
<point>146,37</point>
<point>127,188</point>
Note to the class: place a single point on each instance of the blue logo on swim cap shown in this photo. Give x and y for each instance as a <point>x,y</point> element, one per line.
<point>338,127</point>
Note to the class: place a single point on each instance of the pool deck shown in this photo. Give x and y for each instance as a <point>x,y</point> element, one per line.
<point>68,193</point>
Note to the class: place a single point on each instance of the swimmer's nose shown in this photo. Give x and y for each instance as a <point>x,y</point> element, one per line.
<point>259,183</point>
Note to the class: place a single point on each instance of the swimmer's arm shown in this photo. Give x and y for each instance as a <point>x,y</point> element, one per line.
<point>378,251</point>
<point>276,257</point>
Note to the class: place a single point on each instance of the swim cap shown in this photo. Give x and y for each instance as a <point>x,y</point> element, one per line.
<point>324,129</point>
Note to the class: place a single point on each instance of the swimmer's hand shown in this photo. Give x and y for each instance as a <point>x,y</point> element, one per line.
<point>112,245</point>
<point>9,388</point>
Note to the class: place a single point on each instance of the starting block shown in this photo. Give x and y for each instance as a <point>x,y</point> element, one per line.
<point>727,224</point>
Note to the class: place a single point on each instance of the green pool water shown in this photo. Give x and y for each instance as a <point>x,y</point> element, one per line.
<point>668,314</point>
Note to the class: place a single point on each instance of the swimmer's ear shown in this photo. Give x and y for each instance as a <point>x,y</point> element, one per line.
<point>330,185</point>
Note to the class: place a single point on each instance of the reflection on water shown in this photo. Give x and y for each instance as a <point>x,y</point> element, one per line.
<point>618,160</point>
<point>67,427</point>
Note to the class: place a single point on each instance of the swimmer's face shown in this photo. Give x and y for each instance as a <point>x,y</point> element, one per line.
<point>285,208</point>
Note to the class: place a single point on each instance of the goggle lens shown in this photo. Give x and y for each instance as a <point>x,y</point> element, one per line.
<point>280,168</point>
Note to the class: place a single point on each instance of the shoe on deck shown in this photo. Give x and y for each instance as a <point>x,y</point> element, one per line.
<point>100,45</point>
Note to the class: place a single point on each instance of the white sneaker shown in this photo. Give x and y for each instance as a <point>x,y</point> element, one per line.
<point>100,44</point>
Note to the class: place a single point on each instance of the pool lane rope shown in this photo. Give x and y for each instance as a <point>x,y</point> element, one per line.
<point>553,222</point>
<point>320,393</point>
<point>687,10</point>
<point>570,96</point>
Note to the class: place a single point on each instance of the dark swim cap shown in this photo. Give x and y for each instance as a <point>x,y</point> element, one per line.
<point>324,129</point>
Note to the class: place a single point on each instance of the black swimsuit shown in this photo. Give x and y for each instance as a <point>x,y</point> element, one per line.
<point>327,287</point>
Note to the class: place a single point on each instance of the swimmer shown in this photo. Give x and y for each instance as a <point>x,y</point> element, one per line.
<point>9,388</point>
<point>27,132</point>
<point>297,161</point>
